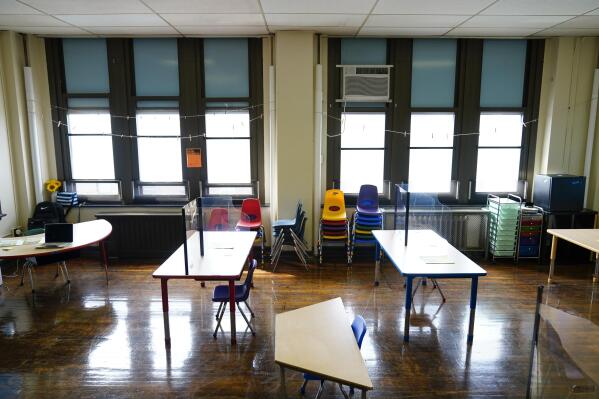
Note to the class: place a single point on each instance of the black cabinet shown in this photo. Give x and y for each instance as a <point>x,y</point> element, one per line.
<point>566,252</point>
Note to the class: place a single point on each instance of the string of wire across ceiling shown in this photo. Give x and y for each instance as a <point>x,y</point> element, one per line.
<point>233,110</point>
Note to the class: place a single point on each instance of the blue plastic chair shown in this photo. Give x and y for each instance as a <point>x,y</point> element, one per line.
<point>358,327</point>
<point>242,293</point>
<point>368,200</point>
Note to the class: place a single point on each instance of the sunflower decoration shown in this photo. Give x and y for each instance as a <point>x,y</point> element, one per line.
<point>53,185</point>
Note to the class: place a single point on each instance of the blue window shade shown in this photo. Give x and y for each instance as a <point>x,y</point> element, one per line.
<point>156,67</point>
<point>363,51</point>
<point>502,81</point>
<point>226,68</point>
<point>88,103</point>
<point>85,65</point>
<point>433,72</point>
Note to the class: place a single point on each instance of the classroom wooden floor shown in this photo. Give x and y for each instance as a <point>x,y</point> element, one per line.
<point>94,340</point>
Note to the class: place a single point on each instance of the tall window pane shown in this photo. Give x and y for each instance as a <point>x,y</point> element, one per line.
<point>159,158</point>
<point>85,65</point>
<point>226,68</point>
<point>362,150</point>
<point>91,155</point>
<point>502,80</point>
<point>433,72</point>
<point>431,152</point>
<point>156,67</point>
<point>499,151</point>
<point>159,155</point>
<point>228,147</point>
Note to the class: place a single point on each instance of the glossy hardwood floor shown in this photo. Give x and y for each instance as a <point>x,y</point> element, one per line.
<point>94,340</point>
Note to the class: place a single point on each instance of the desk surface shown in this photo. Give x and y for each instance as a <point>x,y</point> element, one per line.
<point>427,254</point>
<point>318,339</point>
<point>586,238</point>
<point>84,234</point>
<point>225,253</point>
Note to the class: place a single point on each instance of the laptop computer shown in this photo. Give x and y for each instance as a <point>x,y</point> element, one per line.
<point>58,235</point>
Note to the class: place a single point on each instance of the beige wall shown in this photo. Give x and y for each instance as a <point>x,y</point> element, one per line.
<point>294,101</point>
<point>566,93</point>
<point>14,126</point>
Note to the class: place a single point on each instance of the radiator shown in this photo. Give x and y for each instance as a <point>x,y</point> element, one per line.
<point>143,235</point>
<point>465,229</point>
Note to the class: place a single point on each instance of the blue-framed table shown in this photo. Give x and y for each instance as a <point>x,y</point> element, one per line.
<point>427,255</point>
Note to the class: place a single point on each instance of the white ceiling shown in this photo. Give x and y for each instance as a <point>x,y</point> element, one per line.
<point>452,18</point>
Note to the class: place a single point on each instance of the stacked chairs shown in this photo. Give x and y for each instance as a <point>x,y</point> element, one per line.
<point>251,219</point>
<point>290,232</point>
<point>368,217</point>
<point>334,226</point>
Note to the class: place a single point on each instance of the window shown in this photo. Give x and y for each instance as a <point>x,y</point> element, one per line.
<point>89,129</point>
<point>431,133</point>
<point>228,152</point>
<point>131,113</point>
<point>362,150</point>
<point>500,139</point>
<point>499,150</point>
<point>228,134</point>
<point>159,156</point>
<point>431,152</point>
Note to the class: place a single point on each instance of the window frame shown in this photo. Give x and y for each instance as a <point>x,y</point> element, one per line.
<point>123,101</point>
<point>466,112</point>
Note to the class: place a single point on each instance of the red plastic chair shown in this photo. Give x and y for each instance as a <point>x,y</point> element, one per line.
<point>251,215</point>
<point>251,219</point>
<point>219,220</point>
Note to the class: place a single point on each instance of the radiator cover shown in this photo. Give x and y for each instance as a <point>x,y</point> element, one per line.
<point>143,235</point>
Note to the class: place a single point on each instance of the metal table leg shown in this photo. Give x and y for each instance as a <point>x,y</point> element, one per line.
<point>167,330</point>
<point>282,386</point>
<point>552,258</point>
<point>377,265</point>
<point>473,292</point>
<point>104,258</point>
<point>596,275</point>
<point>408,306</point>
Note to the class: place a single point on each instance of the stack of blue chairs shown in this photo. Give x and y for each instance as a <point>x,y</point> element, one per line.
<point>368,217</point>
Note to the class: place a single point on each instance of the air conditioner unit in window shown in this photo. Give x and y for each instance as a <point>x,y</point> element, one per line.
<point>365,83</point>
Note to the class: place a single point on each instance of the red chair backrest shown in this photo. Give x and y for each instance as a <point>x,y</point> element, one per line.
<point>219,219</point>
<point>250,210</point>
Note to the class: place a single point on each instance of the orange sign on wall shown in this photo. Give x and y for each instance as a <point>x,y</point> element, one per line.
<point>194,157</point>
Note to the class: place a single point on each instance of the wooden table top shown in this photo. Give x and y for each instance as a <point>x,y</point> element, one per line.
<point>318,339</point>
<point>586,238</point>
<point>427,254</point>
<point>225,253</point>
<point>84,234</point>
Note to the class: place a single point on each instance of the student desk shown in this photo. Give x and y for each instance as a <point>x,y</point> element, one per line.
<point>427,255</point>
<point>585,238</point>
<point>85,234</point>
<point>225,254</point>
<point>318,339</point>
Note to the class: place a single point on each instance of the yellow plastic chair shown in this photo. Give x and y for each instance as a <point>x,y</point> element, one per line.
<point>334,206</point>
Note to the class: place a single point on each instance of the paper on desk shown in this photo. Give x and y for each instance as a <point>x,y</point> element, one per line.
<point>437,259</point>
<point>17,241</point>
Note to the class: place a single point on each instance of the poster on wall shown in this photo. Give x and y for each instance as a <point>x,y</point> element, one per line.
<point>194,157</point>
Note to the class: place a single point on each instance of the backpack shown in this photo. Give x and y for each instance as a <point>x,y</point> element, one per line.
<point>46,212</point>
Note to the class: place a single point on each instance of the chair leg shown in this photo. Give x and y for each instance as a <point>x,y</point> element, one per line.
<point>262,244</point>
<point>31,279</point>
<point>416,289</point>
<point>66,272</point>
<point>343,392</point>
<point>320,390</point>
<point>436,285</point>
<point>57,270</point>
<point>219,318</point>
<point>303,387</point>
<point>246,319</point>
<point>220,305</point>
<point>250,309</point>
<point>23,273</point>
